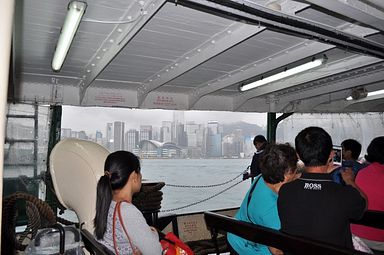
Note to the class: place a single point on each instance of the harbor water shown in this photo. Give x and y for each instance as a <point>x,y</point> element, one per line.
<point>198,172</point>
<point>195,172</point>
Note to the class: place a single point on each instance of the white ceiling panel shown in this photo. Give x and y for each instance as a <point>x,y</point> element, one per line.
<point>198,51</point>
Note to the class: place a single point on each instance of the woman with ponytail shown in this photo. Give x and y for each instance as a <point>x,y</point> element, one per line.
<point>119,225</point>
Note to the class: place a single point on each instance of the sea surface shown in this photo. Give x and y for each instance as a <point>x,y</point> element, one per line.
<point>202,172</point>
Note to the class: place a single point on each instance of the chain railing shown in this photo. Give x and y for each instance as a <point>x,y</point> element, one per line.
<point>203,200</point>
<point>205,186</point>
<point>244,175</point>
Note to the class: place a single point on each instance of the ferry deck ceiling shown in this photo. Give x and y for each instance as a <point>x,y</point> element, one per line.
<point>195,55</point>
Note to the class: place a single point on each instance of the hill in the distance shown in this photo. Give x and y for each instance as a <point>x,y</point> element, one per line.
<point>248,129</point>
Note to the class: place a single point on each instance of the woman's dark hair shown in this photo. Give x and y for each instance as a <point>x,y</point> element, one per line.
<point>118,167</point>
<point>375,150</point>
<point>276,161</point>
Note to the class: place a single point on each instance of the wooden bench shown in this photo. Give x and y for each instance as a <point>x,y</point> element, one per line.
<point>92,246</point>
<point>270,237</point>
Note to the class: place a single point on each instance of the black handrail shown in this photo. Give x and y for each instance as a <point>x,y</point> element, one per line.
<point>271,237</point>
<point>371,218</point>
<point>92,245</point>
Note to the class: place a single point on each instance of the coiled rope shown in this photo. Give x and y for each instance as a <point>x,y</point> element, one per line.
<point>149,198</point>
<point>39,215</point>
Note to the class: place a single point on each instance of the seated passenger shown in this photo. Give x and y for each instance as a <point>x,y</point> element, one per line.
<point>350,152</point>
<point>278,166</point>
<point>314,206</point>
<point>371,181</point>
<point>121,180</point>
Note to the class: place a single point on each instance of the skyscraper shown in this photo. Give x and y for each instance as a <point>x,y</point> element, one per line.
<point>145,132</point>
<point>99,137</point>
<point>109,137</point>
<point>191,130</point>
<point>131,139</point>
<point>166,131</point>
<point>118,135</point>
<point>213,148</point>
<point>178,119</point>
<point>181,138</point>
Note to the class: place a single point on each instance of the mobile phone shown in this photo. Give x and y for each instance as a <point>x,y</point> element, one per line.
<point>338,157</point>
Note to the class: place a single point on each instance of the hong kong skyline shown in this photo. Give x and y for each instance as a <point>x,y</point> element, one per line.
<point>91,119</point>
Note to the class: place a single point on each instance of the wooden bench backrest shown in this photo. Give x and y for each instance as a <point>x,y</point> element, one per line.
<point>274,238</point>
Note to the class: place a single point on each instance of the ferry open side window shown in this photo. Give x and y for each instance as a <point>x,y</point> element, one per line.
<point>362,127</point>
<point>25,151</point>
<point>199,155</point>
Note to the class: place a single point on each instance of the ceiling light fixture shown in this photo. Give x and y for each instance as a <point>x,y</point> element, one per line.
<point>75,12</point>
<point>286,73</point>
<point>369,94</point>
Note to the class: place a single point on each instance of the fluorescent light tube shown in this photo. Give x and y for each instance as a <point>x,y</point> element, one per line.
<point>75,12</point>
<point>373,93</point>
<point>284,74</point>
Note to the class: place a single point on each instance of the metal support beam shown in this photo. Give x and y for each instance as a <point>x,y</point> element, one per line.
<point>271,127</point>
<point>369,103</point>
<point>272,123</point>
<point>337,101</point>
<point>54,138</point>
<point>293,54</point>
<point>359,77</point>
<point>6,25</point>
<point>361,12</point>
<point>120,36</point>
<point>35,138</point>
<point>250,12</point>
<point>349,63</point>
<point>231,36</point>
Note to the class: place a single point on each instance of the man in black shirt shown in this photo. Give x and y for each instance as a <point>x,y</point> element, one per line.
<point>259,142</point>
<point>314,206</point>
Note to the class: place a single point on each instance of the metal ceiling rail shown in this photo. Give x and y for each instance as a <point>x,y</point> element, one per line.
<point>123,34</point>
<point>297,52</point>
<point>354,63</point>
<point>351,12</point>
<point>215,45</point>
<point>341,81</point>
<point>284,23</point>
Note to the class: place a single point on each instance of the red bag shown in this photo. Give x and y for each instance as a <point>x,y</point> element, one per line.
<point>172,245</point>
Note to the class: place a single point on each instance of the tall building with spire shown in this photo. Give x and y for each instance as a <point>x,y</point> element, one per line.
<point>178,126</point>
<point>109,136</point>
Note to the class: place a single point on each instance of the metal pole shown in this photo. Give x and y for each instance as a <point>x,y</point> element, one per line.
<point>272,123</point>
<point>6,19</point>
<point>54,138</point>
<point>36,140</point>
<point>271,127</point>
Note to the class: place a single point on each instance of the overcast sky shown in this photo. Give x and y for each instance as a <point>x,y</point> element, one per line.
<point>91,119</point>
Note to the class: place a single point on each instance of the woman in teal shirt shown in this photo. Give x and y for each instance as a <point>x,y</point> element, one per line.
<point>278,166</point>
